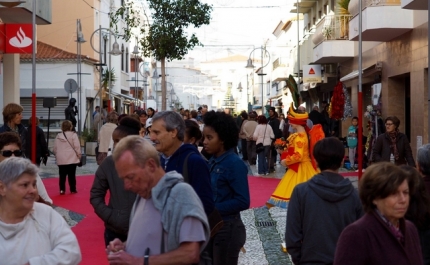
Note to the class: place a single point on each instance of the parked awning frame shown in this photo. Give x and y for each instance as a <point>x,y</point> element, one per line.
<point>373,69</point>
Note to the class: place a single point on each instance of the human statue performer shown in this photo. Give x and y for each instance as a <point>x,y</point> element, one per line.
<point>71,111</point>
<point>297,156</point>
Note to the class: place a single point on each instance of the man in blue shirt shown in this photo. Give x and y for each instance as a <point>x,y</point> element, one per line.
<point>167,134</point>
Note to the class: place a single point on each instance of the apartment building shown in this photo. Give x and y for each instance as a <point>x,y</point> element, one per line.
<point>394,52</point>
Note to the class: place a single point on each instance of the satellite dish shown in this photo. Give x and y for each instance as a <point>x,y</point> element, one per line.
<point>70,86</point>
<point>313,85</point>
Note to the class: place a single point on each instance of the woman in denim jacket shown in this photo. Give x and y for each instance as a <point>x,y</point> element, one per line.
<point>229,184</point>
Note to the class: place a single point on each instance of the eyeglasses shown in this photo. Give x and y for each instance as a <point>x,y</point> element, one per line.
<point>8,153</point>
<point>389,124</point>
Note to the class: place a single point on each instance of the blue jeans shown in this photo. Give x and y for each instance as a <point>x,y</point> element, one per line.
<point>224,247</point>
<point>263,162</point>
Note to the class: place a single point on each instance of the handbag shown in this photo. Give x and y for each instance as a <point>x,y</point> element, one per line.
<point>260,146</point>
<point>82,159</point>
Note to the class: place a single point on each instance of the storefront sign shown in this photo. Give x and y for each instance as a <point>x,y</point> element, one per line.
<point>19,38</point>
<point>312,73</point>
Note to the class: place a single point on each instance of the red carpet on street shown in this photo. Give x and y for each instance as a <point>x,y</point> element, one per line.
<point>90,230</point>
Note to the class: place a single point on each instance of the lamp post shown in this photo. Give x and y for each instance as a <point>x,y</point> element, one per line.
<point>145,85</point>
<point>251,66</point>
<point>115,51</point>
<point>360,94</point>
<point>136,77</point>
<point>239,87</point>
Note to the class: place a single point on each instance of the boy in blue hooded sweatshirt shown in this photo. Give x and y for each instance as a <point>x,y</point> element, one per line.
<point>320,208</point>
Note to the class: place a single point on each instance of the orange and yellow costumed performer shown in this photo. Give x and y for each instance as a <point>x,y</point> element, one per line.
<point>296,157</point>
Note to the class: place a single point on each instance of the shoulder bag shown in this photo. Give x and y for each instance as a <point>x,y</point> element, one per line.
<point>260,146</point>
<point>82,160</point>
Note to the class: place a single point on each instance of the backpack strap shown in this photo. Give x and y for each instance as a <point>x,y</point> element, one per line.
<point>185,169</point>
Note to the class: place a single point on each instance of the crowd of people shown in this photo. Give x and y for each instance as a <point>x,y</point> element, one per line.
<point>170,188</point>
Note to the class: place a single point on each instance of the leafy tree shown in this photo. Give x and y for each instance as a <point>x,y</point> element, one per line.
<point>166,37</point>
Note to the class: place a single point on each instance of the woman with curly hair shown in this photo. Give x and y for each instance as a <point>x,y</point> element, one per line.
<point>229,184</point>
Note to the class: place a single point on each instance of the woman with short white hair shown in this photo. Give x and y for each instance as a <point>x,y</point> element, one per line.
<point>31,233</point>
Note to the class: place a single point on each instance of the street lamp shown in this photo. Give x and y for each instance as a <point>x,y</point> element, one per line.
<point>145,75</point>
<point>136,77</point>
<point>251,66</point>
<point>115,51</point>
<point>239,87</point>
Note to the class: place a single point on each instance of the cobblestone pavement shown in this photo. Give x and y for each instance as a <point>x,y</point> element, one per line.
<point>265,228</point>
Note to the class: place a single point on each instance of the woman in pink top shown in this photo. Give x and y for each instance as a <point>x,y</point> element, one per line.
<point>67,150</point>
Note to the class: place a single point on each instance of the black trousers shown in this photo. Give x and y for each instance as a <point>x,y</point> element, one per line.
<point>273,157</point>
<point>70,171</point>
<point>224,247</point>
<point>244,149</point>
<point>111,235</point>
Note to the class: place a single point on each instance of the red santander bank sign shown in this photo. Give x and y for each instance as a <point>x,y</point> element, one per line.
<point>18,38</point>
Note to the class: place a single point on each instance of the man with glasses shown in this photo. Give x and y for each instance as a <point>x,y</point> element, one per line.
<point>10,145</point>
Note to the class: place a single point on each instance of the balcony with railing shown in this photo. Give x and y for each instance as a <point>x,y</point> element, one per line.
<point>331,40</point>
<point>280,69</point>
<point>383,20</point>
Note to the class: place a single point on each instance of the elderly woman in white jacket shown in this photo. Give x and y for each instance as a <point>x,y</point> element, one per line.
<point>263,134</point>
<point>67,150</point>
<point>31,233</point>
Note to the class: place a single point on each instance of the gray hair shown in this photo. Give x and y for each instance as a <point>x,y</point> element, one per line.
<point>423,159</point>
<point>173,121</point>
<point>140,148</point>
<point>11,169</point>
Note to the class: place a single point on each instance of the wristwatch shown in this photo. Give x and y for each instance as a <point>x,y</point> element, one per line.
<point>146,257</point>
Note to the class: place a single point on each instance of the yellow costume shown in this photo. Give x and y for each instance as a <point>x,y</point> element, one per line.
<point>300,169</point>
<point>297,158</point>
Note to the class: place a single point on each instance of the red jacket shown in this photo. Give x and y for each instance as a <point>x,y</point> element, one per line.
<point>369,241</point>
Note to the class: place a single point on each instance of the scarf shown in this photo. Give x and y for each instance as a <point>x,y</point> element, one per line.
<point>395,230</point>
<point>393,146</point>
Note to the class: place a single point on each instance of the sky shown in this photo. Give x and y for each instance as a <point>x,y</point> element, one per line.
<point>238,26</point>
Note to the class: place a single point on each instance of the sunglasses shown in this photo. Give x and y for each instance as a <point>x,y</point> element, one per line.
<point>9,153</point>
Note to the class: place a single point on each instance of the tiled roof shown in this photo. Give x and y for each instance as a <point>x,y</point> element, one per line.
<point>49,53</point>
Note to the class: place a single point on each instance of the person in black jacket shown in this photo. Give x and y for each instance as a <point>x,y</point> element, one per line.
<point>326,196</point>
<point>393,146</point>
<point>71,111</point>
<point>115,214</point>
<point>274,123</point>
<point>42,151</point>
<point>315,116</point>
<point>12,116</point>
<point>419,209</point>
